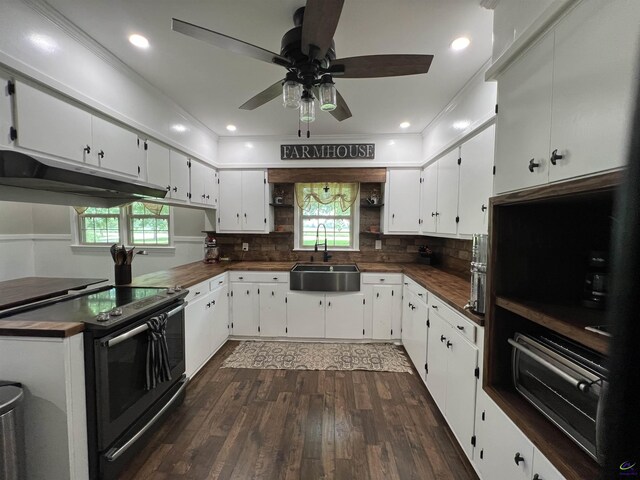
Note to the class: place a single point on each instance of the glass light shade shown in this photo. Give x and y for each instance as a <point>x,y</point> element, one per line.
<point>328,100</point>
<point>291,92</point>
<point>307,109</point>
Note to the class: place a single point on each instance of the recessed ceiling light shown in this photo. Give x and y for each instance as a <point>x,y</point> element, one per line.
<point>461,124</point>
<point>178,127</point>
<point>405,125</point>
<point>139,41</point>
<point>43,42</point>
<point>460,43</point>
<point>231,128</point>
<point>392,142</point>
<point>248,145</point>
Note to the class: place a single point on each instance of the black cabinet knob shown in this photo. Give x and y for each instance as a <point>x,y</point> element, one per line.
<point>449,344</point>
<point>483,207</point>
<point>87,149</point>
<point>533,164</point>
<point>442,338</point>
<point>434,306</point>
<point>518,458</point>
<point>413,307</point>
<point>555,156</point>
<point>175,189</point>
<point>536,477</point>
<point>207,197</point>
<point>101,154</point>
<point>378,295</point>
<point>459,327</point>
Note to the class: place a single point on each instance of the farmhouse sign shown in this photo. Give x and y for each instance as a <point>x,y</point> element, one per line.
<point>333,151</point>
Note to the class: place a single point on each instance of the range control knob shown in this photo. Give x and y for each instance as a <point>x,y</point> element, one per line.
<point>103,316</point>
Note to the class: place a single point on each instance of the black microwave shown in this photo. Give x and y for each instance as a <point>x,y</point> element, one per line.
<point>566,382</point>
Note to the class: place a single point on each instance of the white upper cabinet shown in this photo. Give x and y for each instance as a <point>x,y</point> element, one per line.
<point>203,178</point>
<point>593,86</point>
<point>158,165</point>
<point>211,185</point>
<point>50,125</point>
<point>429,205</point>
<point>6,119</point>
<point>116,148</point>
<point>402,207</point>
<point>242,201</point>
<point>476,182</point>
<point>523,123</point>
<point>447,206</point>
<point>179,175</point>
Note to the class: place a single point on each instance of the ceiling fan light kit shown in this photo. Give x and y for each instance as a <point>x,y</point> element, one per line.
<point>308,53</point>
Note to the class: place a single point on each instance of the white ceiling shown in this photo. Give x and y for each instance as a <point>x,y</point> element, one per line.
<point>211,83</point>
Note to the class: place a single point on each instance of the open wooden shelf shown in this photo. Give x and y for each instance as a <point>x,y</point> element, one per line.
<point>559,449</point>
<point>287,205</point>
<point>569,320</point>
<point>371,205</point>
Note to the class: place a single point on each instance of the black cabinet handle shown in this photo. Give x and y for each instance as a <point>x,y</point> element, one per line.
<point>168,188</point>
<point>245,215</point>
<point>483,207</point>
<point>207,197</point>
<point>175,189</point>
<point>247,292</point>
<point>378,295</point>
<point>101,154</point>
<point>518,458</point>
<point>329,304</point>
<point>87,149</point>
<point>203,196</point>
<point>555,156</point>
<point>237,215</point>
<point>320,302</point>
<point>434,306</point>
<point>209,305</point>
<point>197,293</point>
<point>533,164</point>
<point>413,307</point>
<point>393,215</point>
<point>275,278</point>
<point>449,344</point>
<point>442,338</point>
<point>459,327</point>
<point>240,278</point>
<point>536,477</point>
<point>382,279</point>
<point>273,293</point>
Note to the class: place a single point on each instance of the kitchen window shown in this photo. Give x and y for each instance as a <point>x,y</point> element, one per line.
<point>139,223</point>
<point>330,206</point>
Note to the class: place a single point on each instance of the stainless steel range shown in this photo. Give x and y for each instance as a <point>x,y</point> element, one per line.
<point>121,323</point>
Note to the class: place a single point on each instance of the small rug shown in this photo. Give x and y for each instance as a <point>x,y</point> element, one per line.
<point>379,357</point>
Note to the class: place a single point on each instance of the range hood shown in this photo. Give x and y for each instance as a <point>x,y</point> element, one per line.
<point>25,178</point>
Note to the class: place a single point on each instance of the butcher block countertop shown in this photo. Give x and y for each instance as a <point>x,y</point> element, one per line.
<point>30,289</point>
<point>451,289</point>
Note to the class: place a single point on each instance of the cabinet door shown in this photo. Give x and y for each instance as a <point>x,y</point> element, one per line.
<point>382,311</point>
<point>429,198</point>
<point>461,388</point>
<point>50,125</point>
<point>197,174</point>
<point>408,305</point>
<point>253,201</point>
<point>179,168</point>
<point>403,206</point>
<point>524,116</point>
<point>158,165</point>
<point>437,358</point>
<point>220,327</point>
<point>499,441</point>
<point>448,175</point>
<point>396,312</point>
<point>591,114</point>
<point>230,200</point>
<point>273,309</point>
<point>476,182</point>
<point>543,468</point>
<point>421,333</point>
<point>6,117</point>
<point>211,187</point>
<point>117,148</point>
<point>197,333</point>
<point>244,309</point>
<point>344,315</point>
<point>305,315</point>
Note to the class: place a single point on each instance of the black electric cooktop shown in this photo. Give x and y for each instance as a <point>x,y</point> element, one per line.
<point>99,308</point>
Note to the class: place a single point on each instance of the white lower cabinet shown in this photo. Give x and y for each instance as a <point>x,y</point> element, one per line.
<point>245,304</point>
<point>542,468</point>
<point>220,327</point>
<point>437,361</point>
<point>344,315</point>
<point>273,309</point>
<point>305,315</point>
<point>6,116</point>
<point>197,332</point>
<point>414,330</point>
<point>386,311</point>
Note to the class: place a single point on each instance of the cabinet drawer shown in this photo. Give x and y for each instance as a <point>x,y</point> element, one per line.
<point>259,277</point>
<point>419,290</point>
<point>198,290</point>
<point>382,278</point>
<point>453,318</point>
<point>219,281</point>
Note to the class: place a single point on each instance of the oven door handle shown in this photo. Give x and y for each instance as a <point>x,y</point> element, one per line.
<point>113,453</point>
<point>581,385</point>
<point>135,331</point>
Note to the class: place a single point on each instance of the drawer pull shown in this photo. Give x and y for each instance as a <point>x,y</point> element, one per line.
<point>555,156</point>
<point>382,279</point>
<point>518,458</point>
<point>220,282</point>
<point>275,278</point>
<point>434,306</point>
<point>533,164</point>
<point>240,278</point>
<point>197,293</point>
<point>460,327</point>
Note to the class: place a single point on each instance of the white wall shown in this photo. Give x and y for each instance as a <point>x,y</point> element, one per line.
<point>264,152</point>
<point>474,104</point>
<point>80,68</point>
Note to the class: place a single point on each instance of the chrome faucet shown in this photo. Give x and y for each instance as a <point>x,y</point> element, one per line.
<point>325,255</point>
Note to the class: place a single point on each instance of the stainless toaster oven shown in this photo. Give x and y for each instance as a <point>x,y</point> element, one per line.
<point>564,381</point>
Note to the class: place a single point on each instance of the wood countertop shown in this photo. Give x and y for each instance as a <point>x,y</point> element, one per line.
<point>31,289</point>
<point>451,289</point>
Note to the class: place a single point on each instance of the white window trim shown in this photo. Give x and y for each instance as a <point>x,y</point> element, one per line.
<point>356,232</point>
<point>124,234</point>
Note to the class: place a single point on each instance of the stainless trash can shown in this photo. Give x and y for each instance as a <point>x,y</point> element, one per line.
<point>11,432</point>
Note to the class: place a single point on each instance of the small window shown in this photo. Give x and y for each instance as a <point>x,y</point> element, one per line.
<point>332,207</point>
<point>148,224</point>
<point>99,225</point>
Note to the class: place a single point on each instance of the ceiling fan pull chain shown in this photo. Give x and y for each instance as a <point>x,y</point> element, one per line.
<point>308,133</point>
<point>299,128</point>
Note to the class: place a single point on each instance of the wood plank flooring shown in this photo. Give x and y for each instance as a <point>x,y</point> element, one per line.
<point>284,424</point>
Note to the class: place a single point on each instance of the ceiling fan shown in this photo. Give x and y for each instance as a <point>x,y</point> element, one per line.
<point>308,53</point>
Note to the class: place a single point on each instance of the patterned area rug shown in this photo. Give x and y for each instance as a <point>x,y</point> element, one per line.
<point>379,357</point>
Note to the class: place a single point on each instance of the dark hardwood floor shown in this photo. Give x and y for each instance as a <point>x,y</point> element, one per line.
<point>297,424</point>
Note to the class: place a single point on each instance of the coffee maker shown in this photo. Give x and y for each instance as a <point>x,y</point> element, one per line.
<point>477,300</point>
<point>211,250</point>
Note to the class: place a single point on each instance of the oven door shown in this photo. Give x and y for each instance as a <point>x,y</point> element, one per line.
<point>120,363</point>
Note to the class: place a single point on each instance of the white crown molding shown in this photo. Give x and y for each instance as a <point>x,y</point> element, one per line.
<point>317,138</point>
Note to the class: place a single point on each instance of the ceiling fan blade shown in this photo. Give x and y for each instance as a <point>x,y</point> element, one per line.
<point>372,66</point>
<point>228,43</point>
<point>318,26</point>
<point>341,112</point>
<point>263,97</point>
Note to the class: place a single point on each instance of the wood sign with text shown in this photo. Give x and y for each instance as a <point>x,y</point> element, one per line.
<point>333,151</point>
